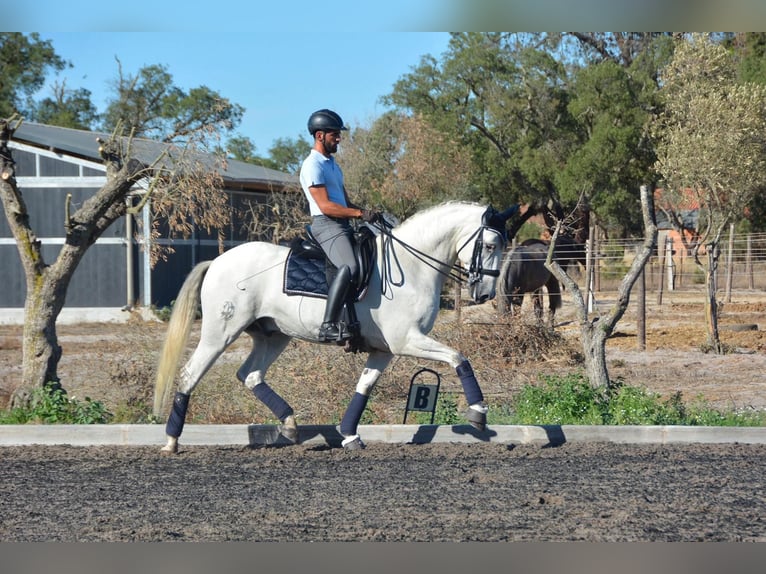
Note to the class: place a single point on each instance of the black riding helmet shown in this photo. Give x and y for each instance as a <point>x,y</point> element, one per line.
<point>326,121</point>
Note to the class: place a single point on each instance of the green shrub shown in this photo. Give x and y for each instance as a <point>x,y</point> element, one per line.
<point>571,400</point>
<point>52,406</point>
<point>634,406</point>
<point>560,401</point>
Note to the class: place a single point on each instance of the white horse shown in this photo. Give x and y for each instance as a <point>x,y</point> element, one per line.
<point>241,290</point>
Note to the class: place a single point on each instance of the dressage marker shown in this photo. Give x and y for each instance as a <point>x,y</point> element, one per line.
<point>422,397</point>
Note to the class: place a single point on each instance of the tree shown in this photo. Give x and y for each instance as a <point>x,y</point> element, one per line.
<point>595,332</point>
<point>67,109</point>
<point>149,105</point>
<point>503,97</point>
<point>711,149</point>
<point>184,186</point>
<point>401,164</point>
<point>612,100</point>
<point>286,154</point>
<point>24,62</point>
<point>549,118</point>
<point>749,48</point>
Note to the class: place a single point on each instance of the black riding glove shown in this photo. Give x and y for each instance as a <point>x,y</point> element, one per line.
<point>370,216</point>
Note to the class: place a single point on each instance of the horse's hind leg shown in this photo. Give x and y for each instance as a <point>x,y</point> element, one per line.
<point>554,300</point>
<point>252,373</point>
<point>198,364</point>
<point>537,299</point>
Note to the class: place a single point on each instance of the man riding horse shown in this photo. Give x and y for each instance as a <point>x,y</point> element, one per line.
<point>330,208</point>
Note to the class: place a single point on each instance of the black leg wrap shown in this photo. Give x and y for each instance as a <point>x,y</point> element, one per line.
<point>471,388</point>
<point>273,401</point>
<point>350,421</point>
<point>177,417</point>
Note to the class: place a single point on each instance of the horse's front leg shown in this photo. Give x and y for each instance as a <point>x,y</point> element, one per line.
<point>373,368</point>
<point>424,347</point>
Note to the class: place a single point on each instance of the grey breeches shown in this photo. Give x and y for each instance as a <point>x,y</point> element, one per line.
<point>335,237</point>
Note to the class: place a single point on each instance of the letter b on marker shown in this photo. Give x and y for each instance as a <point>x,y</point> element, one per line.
<point>422,398</point>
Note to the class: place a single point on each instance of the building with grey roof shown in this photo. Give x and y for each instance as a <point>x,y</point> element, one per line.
<point>115,274</point>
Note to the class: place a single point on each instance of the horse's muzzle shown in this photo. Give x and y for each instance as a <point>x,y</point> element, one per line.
<point>484,297</point>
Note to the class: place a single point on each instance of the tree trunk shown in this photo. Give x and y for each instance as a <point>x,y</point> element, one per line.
<point>41,352</point>
<point>47,284</point>
<point>711,303</point>
<point>40,349</point>
<point>594,348</point>
<point>595,332</point>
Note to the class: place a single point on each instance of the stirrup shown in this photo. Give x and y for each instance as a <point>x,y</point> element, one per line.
<point>337,332</point>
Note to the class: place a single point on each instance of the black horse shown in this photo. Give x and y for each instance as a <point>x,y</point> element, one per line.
<point>524,271</point>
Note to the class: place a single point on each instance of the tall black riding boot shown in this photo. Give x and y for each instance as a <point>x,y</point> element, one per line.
<point>331,329</point>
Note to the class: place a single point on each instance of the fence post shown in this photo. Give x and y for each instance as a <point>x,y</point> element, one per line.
<point>730,263</point>
<point>749,263</point>
<point>661,265</point>
<point>669,261</point>
<point>589,263</point>
<point>641,319</point>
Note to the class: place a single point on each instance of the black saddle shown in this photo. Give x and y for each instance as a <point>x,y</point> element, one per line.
<point>308,272</point>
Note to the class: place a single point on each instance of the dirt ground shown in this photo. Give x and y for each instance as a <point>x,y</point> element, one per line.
<point>386,493</point>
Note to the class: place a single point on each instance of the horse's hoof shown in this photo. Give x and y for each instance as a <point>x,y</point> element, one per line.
<point>171,447</point>
<point>290,433</point>
<point>353,443</point>
<point>477,416</point>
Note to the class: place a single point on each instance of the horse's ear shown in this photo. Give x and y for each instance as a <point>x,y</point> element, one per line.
<point>508,213</point>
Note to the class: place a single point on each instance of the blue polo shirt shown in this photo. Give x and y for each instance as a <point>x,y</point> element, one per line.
<point>318,170</point>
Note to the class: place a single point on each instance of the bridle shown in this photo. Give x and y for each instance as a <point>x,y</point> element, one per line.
<point>491,221</point>
<point>476,268</point>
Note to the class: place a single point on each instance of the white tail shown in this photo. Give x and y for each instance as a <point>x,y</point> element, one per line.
<point>179,327</point>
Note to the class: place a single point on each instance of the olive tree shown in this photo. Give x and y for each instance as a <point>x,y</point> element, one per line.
<point>184,186</point>
<point>710,141</point>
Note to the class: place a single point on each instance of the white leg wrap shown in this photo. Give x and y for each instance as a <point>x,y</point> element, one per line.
<point>367,381</point>
<point>480,407</point>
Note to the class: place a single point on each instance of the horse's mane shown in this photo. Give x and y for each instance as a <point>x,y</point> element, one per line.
<point>428,212</point>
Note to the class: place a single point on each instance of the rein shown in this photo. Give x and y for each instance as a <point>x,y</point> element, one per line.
<point>454,272</point>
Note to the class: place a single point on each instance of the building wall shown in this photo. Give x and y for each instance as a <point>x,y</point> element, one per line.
<point>101,279</point>
<point>45,179</point>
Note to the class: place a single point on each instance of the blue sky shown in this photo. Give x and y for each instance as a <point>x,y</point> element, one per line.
<point>282,60</point>
<point>278,77</point>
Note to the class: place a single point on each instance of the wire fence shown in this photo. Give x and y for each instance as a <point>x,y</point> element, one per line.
<point>741,264</point>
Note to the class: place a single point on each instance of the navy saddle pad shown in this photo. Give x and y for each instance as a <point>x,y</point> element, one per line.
<point>305,274</point>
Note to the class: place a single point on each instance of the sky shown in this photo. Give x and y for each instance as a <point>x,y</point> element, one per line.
<point>279,77</point>
<point>283,60</point>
